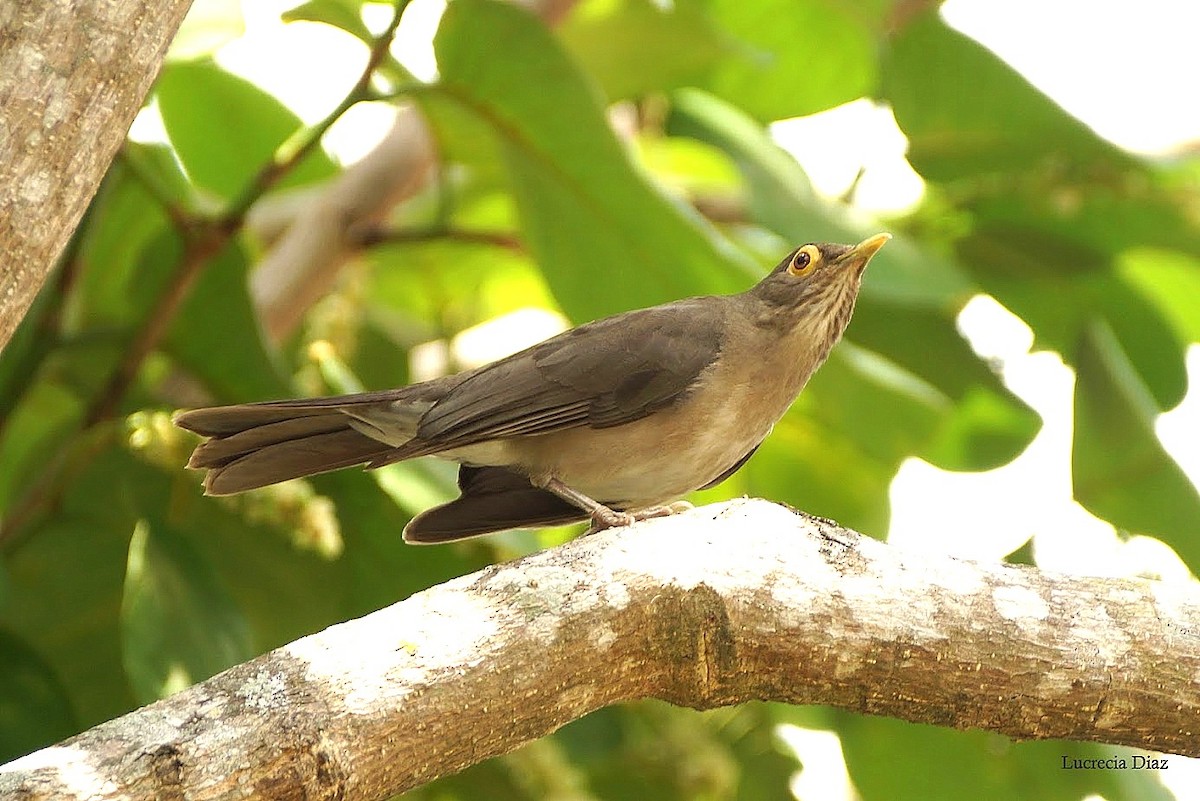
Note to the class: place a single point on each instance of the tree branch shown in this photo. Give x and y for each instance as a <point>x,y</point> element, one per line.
<point>72,77</point>
<point>724,604</point>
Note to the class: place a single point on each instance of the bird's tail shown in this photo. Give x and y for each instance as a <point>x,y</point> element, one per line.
<point>256,444</point>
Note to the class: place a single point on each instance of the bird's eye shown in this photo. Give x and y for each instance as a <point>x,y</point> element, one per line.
<point>804,261</point>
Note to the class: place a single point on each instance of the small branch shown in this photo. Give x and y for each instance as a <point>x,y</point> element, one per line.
<point>372,236</point>
<point>179,217</point>
<point>847,197</point>
<point>293,151</point>
<point>725,604</point>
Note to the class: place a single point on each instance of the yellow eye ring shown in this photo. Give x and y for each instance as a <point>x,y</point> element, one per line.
<point>804,261</point>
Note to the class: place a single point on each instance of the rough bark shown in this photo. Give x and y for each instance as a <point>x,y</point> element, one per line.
<point>72,76</point>
<point>728,603</point>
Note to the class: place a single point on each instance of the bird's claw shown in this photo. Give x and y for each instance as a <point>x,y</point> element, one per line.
<point>604,517</point>
<point>663,511</point>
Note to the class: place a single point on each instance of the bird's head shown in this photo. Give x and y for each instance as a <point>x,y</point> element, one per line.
<point>815,286</point>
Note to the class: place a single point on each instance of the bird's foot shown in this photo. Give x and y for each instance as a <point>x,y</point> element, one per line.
<point>663,511</point>
<point>602,517</point>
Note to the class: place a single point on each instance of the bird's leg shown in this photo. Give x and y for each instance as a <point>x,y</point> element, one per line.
<point>602,516</point>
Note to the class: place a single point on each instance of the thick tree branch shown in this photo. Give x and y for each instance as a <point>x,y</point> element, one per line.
<point>72,77</point>
<point>728,603</point>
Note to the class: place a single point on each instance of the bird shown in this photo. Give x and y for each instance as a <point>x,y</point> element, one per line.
<point>612,421</point>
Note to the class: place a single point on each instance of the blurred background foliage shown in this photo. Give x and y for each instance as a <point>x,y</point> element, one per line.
<point>618,160</point>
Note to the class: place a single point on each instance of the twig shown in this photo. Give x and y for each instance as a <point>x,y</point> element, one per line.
<point>297,147</point>
<point>376,235</point>
<point>848,196</point>
<point>179,216</point>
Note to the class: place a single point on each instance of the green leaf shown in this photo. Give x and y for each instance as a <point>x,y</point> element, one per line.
<point>66,583</point>
<point>610,39</point>
<point>966,112</point>
<point>586,212</point>
<point>1171,281</point>
<point>344,15</point>
<point>776,183</point>
<point>216,334</point>
<point>1058,290</point>
<point>689,166</point>
<point>987,426</point>
<point>123,220</point>
<point>283,586</point>
<point>25,352</point>
<point>890,759</point>
<point>1120,471</point>
<point>46,416</point>
<point>380,567</point>
<point>179,624</point>
<point>34,708</point>
<point>225,129</point>
<point>412,285</point>
<point>1103,210</point>
<point>793,57</point>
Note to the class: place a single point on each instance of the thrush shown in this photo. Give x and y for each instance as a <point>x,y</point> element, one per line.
<point>613,420</point>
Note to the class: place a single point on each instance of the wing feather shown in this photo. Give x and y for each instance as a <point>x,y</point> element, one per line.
<point>607,373</point>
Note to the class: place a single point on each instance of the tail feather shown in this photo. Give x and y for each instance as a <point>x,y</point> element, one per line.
<point>296,458</point>
<point>220,451</point>
<point>257,444</point>
<point>253,445</point>
<point>223,421</point>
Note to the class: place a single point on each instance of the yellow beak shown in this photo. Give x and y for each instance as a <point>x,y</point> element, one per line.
<point>867,248</point>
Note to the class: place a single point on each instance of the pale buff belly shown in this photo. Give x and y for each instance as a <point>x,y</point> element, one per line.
<point>657,459</point>
<point>641,464</point>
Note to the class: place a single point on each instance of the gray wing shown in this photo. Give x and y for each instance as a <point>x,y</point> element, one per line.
<point>602,374</point>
